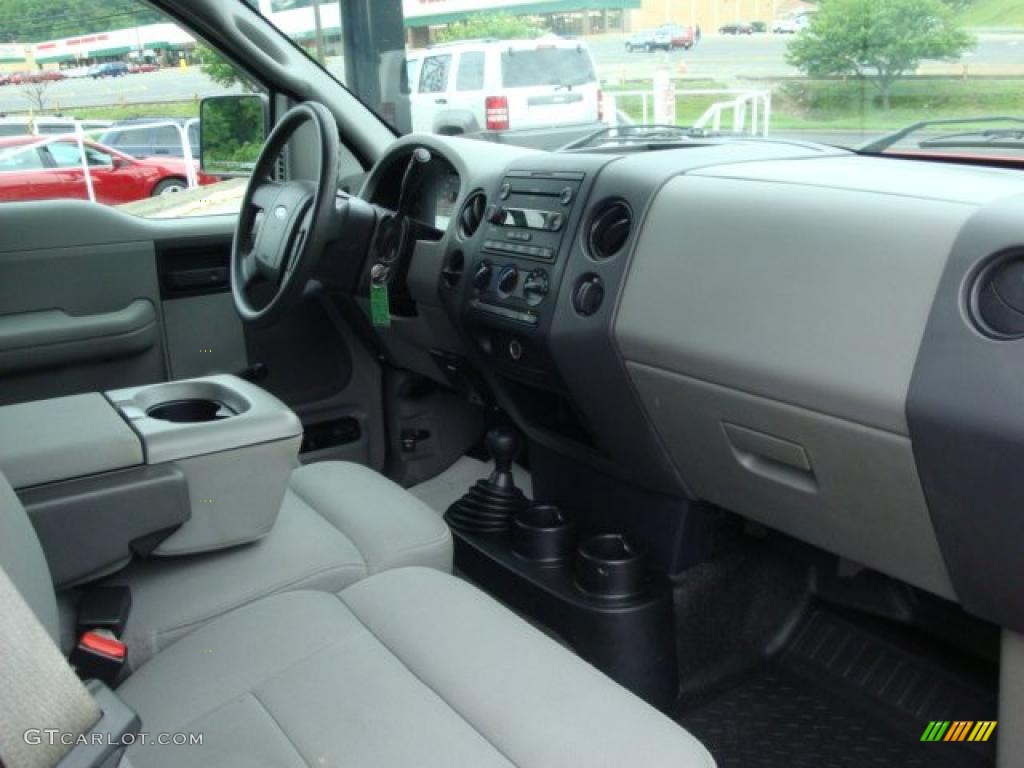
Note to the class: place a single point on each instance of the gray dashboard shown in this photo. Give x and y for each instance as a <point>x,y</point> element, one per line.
<point>763,338</point>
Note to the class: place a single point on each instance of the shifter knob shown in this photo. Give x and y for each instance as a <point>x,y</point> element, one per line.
<point>503,443</point>
<point>490,505</point>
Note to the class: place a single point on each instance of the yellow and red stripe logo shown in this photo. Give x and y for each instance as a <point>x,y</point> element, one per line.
<point>959,730</point>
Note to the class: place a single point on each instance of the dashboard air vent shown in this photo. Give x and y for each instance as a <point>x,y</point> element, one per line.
<point>998,296</point>
<point>609,230</point>
<point>472,214</point>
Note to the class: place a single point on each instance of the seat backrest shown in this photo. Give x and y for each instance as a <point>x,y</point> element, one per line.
<point>22,557</point>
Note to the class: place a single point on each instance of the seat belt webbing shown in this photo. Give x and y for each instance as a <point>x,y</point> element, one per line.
<point>38,688</point>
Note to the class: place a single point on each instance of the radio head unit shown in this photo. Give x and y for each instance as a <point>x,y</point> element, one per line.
<point>529,219</point>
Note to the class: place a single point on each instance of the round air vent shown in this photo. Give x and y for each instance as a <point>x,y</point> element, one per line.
<point>609,230</point>
<point>472,214</point>
<point>997,298</point>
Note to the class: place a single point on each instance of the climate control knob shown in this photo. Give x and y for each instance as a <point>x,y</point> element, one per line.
<point>482,276</point>
<point>508,279</point>
<point>536,287</point>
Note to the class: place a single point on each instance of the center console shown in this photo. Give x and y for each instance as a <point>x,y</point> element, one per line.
<point>168,469</point>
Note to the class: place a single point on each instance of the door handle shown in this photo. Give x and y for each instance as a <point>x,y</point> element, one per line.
<point>440,101</point>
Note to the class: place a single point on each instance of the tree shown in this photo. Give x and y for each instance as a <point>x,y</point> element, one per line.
<point>31,21</point>
<point>502,26</point>
<point>35,93</point>
<point>220,70</point>
<point>881,41</point>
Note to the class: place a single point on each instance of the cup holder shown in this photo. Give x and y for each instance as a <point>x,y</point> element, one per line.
<point>192,411</point>
<point>543,533</point>
<point>610,566</point>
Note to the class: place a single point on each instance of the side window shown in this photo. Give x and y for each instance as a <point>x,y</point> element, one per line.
<point>470,75</point>
<point>118,71</point>
<point>65,154</point>
<point>166,137</point>
<point>98,159</point>
<point>412,73</point>
<point>20,161</point>
<point>434,75</point>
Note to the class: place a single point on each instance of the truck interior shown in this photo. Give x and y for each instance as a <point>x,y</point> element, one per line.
<point>667,449</point>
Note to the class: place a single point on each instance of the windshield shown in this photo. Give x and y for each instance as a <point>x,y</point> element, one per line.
<point>921,78</point>
<point>840,72</point>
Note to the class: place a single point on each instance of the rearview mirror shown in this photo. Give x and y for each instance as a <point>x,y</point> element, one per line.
<point>231,133</point>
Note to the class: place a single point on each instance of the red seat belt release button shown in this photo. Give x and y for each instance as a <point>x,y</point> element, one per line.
<point>103,645</point>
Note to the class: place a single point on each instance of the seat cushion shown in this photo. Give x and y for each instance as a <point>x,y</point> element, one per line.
<point>408,667</point>
<point>338,523</point>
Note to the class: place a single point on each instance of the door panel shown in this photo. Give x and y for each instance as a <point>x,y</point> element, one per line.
<point>77,272</point>
<point>39,285</point>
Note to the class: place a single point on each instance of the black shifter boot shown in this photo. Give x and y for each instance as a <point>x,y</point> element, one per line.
<point>490,505</point>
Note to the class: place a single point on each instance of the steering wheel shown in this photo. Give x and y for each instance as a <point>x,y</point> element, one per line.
<point>284,227</point>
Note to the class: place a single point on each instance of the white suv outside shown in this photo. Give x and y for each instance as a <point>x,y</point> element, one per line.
<point>541,92</point>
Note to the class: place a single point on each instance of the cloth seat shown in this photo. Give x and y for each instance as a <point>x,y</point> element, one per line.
<point>339,522</point>
<point>408,667</point>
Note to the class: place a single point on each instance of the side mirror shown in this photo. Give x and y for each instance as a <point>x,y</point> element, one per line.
<point>118,162</point>
<point>231,133</point>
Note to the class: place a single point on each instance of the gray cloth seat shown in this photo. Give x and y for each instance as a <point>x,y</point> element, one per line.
<point>339,522</point>
<point>408,667</point>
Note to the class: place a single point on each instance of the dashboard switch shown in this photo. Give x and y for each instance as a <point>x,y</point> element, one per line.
<point>482,276</point>
<point>588,295</point>
<point>508,279</point>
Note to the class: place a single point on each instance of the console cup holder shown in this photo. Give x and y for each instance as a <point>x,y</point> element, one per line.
<point>543,533</point>
<point>190,411</point>
<point>610,566</point>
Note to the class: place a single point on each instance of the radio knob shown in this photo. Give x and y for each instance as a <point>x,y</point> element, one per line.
<point>496,214</point>
<point>508,279</point>
<point>536,287</point>
<point>482,276</point>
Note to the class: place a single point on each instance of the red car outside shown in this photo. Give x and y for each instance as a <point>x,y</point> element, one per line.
<point>54,171</point>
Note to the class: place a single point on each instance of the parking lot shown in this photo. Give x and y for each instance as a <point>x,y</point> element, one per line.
<point>720,58</point>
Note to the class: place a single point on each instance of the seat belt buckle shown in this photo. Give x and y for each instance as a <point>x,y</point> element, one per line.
<point>99,655</point>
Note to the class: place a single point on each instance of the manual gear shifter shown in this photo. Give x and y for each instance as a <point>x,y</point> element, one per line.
<point>490,505</point>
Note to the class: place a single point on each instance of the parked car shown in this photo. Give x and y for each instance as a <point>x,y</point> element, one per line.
<point>682,37</point>
<point>737,28</point>
<point>29,171</point>
<point>790,25</point>
<point>541,92</point>
<point>76,73</point>
<point>650,40</point>
<point>144,136</point>
<point>135,69</point>
<point>46,126</point>
<point>109,69</point>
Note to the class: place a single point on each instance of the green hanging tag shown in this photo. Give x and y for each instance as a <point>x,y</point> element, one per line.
<point>380,307</point>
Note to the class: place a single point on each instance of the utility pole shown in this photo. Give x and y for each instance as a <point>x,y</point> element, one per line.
<point>319,33</point>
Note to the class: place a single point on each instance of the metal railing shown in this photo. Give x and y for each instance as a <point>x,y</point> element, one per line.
<point>79,136</point>
<point>753,103</point>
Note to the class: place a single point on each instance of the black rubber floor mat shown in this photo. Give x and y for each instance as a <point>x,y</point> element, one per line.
<point>839,697</point>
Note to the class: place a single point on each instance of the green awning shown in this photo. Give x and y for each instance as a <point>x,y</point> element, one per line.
<point>12,59</point>
<point>181,46</point>
<point>156,44</point>
<point>526,9</point>
<point>116,51</point>
<point>54,58</point>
